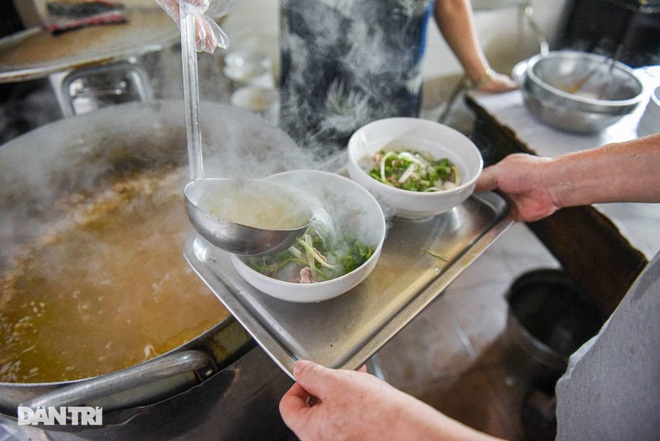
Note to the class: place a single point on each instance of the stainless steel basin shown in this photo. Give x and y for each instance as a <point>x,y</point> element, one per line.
<point>611,91</point>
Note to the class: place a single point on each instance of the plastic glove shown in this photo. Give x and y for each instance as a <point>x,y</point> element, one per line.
<point>208,35</point>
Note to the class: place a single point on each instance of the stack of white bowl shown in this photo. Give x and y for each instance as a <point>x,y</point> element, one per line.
<point>251,74</point>
<point>650,121</point>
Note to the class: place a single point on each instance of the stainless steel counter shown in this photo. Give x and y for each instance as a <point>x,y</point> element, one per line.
<point>603,247</point>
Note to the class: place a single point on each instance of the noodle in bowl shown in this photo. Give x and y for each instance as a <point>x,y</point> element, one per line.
<point>351,209</point>
<point>427,137</point>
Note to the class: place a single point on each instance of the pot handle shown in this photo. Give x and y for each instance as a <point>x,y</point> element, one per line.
<point>138,385</point>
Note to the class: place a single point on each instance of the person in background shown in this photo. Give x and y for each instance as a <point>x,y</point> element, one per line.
<point>611,389</point>
<point>455,20</point>
<point>345,63</point>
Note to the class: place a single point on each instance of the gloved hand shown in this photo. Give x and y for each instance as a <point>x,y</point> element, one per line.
<point>208,35</point>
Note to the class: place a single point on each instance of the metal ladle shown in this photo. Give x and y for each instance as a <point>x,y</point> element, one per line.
<point>222,228</point>
<point>248,217</point>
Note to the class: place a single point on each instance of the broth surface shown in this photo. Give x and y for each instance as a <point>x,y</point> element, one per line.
<point>107,290</point>
<point>263,205</point>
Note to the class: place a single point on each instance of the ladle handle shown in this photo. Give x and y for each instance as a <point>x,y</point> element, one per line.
<point>191,93</point>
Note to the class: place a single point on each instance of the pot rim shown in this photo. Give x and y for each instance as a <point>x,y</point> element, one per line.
<point>531,75</point>
<point>190,344</point>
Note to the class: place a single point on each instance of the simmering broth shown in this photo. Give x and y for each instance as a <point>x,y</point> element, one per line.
<point>255,204</point>
<point>106,290</point>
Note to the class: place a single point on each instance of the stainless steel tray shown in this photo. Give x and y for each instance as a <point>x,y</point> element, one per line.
<point>346,331</point>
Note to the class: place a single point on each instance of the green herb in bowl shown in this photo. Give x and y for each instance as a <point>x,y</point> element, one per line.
<point>310,260</point>
<point>411,170</point>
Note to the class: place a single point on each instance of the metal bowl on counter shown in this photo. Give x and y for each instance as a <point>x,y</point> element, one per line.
<point>97,304</point>
<point>579,92</point>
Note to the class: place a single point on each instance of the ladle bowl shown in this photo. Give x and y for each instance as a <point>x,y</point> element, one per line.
<point>247,217</point>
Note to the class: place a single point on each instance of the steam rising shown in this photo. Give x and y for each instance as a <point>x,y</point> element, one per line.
<point>40,171</point>
<point>255,203</point>
<point>66,157</point>
<point>345,64</point>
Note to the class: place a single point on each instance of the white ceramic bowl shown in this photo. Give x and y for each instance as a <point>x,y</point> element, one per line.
<point>249,67</point>
<point>423,136</point>
<point>262,100</point>
<point>650,120</point>
<point>352,208</point>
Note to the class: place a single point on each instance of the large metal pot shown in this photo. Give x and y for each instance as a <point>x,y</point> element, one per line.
<point>69,155</point>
